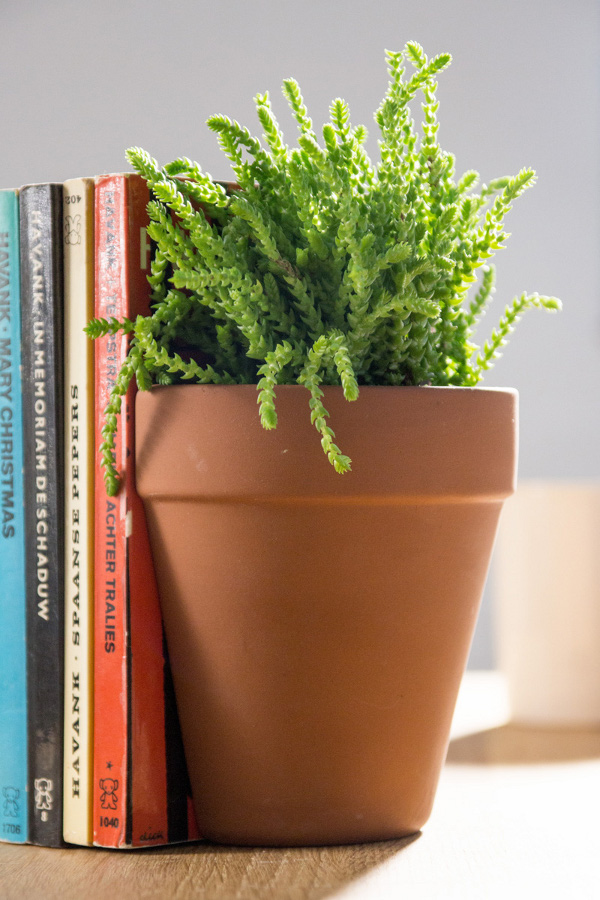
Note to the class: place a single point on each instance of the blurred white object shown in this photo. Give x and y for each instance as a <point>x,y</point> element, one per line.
<point>547,602</point>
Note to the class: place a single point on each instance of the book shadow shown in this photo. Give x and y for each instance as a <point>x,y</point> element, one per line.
<point>313,873</point>
<point>516,744</point>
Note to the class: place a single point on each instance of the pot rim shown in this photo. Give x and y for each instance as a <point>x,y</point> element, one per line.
<point>405,442</point>
<point>337,387</point>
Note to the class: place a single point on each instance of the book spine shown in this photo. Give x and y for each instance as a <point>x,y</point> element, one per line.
<point>111,687</point>
<point>147,757</point>
<point>160,790</point>
<point>42,373</point>
<point>78,242</point>
<point>13,659</point>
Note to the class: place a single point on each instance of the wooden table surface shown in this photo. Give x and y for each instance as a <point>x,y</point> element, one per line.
<point>517,815</point>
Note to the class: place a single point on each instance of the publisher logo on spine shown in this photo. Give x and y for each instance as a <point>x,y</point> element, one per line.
<point>43,796</point>
<point>109,798</point>
<point>73,229</point>
<point>11,807</point>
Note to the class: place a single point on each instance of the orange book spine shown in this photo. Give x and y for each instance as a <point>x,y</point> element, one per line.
<point>110,557</point>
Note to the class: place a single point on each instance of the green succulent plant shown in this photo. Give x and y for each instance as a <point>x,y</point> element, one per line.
<point>320,267</point>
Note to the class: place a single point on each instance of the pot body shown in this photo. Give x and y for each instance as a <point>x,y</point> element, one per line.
<point>318,625</point>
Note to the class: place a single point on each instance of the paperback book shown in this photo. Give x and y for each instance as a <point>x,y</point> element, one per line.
<point>13,659</point>
<point>78,243</point>
<point>42,372</point>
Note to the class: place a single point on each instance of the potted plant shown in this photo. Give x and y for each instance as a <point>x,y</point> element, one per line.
<point>319,615</point>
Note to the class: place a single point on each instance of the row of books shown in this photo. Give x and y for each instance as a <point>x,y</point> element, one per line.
<point>90,747</point>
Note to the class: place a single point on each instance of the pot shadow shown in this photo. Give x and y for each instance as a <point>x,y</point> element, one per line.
<point>313,873</point>
<point>516,744</point>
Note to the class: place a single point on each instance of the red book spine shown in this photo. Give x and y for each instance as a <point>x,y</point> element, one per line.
<point>133,796</point>
<point>110,644</point>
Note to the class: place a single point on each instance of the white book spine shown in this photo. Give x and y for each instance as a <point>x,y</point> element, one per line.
<point>78,236</point>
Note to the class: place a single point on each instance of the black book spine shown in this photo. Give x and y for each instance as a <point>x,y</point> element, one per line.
<point>42,360</point>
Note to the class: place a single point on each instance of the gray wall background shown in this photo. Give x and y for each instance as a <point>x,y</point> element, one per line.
<point>80,83</point>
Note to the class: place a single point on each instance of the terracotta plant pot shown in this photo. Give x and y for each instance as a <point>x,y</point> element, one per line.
<point>319,624</point>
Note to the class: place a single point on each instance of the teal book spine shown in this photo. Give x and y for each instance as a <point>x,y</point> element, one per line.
<point>13,656</point>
